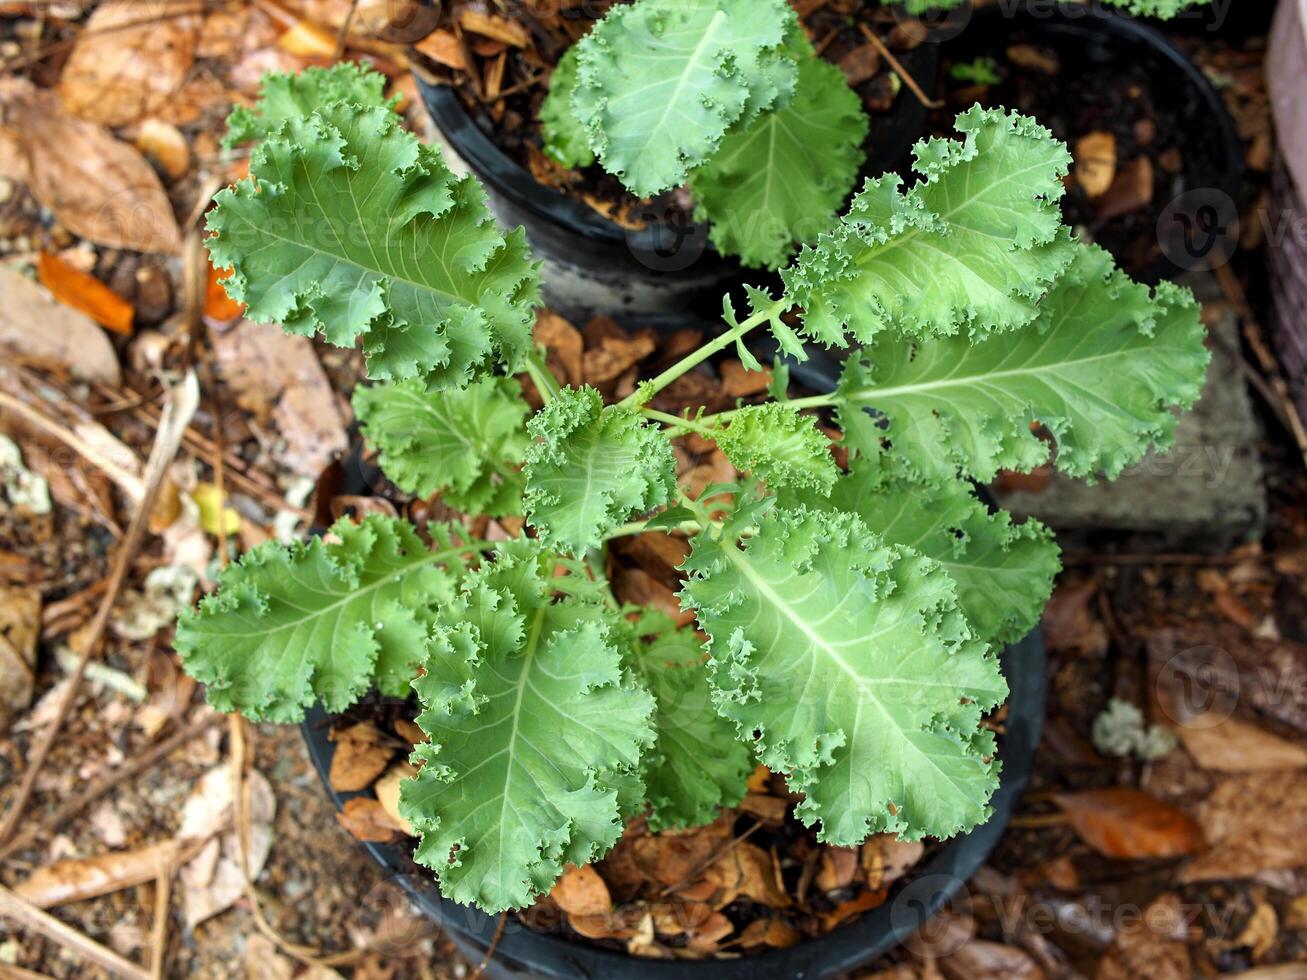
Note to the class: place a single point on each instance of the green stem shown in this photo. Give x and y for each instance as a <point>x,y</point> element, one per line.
<point>639,527</point>
<point>648,389</point>
<point>798,404</point>
<point>680,422</point>
<point>538,371</point>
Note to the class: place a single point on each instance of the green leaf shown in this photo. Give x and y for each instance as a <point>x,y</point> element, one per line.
<point>1003,571</point>
<point>468,444</point>
<point>534,724</point>
<point>851,662</point>
<point>349,226</point>
<point>661,81</point>
<point>1165,9</point>
<point>697,764</point>
<point>781,179</point>
<point>1101,368</point>
<point>780,447</point>
<point>970,248</point>
<point>290,625</point>
<point>565,138</point>
<point>591,468</point>
<point>283,97</point>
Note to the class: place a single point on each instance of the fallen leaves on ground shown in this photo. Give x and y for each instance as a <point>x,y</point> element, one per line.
<point>1254,822</point>
<point>1125,823</point>
<point>20,618</point>
<point>75,288</point>
<point>1231,745</point>
<point>65,338</point>
<point>278,376</point>
<point>1152,947</point>
<point>97,186</point>
<point>362,754</point>
<point>128,59</point>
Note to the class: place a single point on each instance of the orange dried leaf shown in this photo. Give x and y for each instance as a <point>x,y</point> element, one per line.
<point>1126,823</point>
<point>75,288</point>
<point>218,306</point>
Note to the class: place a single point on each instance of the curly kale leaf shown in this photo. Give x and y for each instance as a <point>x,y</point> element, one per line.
<point>1003,571</point>
<point>468,444</point>
<point>970,248</point>
<point>781,179</point>
<point>661,81</point>
<point>590,468</point>
<point>697,764</point>
<point>537,732</point>
<point>1101,368</point>
<point>349,226</point>
<point>283,97</point>
<point>290,625</point>
<point>853,665</point>
<point>565,138</point>
<point>780,447</point>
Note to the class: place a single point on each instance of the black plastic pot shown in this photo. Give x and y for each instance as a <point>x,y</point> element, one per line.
<point>1090,37</point>
<point>593,265</point>
<point>929,888</point>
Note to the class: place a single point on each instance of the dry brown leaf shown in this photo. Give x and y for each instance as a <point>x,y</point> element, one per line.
<point>749,871</point>
<point>1095,162</point>
<point>837,868</point>
<point>443,48</point>
<point>164,144</point>
<point>563,346</point>
<point>898,857</point>
<point>1131,190</point>
<point>387,790</point>
<point>1231,745</point>
<point>860,64</point>
<point>1126,823</point>
<point>1261,931</point>
<point>739,383</point>
<point>1069,623</point>
<point>583,895</point>
<point>220,308</point>
<point>613,357</point>
<point>367,820</point>
<point>1153,947</point>
<point>638,587</point>
<point>97,186</point>
<point>493,26</point>
<point>981,960</point>
<point>129,57</point>
<point>65,337</point>
<point>862,902</point>
<point>1254,822</point>
<point>308,40</point>
<point>20,624</point>
<point>76,879</point>
<point>357,762</point>
<point>770,810</point>
<point>658,553</point>
<point>75,288</point>
<point>670,859</point>
<point>278,376</point>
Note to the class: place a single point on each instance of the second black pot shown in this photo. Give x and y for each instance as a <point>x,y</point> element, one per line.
<point>594,265</point>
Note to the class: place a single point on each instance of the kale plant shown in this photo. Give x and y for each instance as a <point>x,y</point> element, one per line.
<point>848,617</point>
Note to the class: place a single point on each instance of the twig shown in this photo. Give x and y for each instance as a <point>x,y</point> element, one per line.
<point>129,483</point>
<point>1252,332</point>
<point>241,813</point>
<point>29,916</point>
<point>904,75</point>
<point>177,414</point>
<point>711,859</point>
<point>490,950</point>
<point>159,929</point>
<point>106,783</point>
<point>343,35</point>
